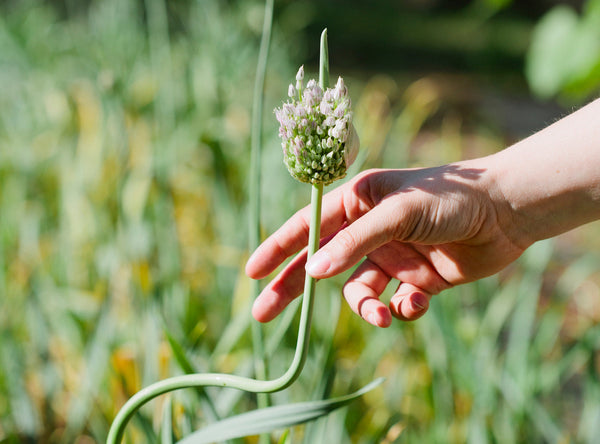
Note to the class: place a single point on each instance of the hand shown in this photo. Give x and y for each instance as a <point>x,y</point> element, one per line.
<point>430,229</point>
<point>434,228</point>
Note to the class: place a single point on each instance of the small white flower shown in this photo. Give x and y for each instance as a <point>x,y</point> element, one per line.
<point>301,111</point>
<point>299,78</point>
<point>341,109</point>
<point>308,97</point>
<point>340,89</point>
<point>329,121</point>
<point>325,107</point>
<point>292,91</point>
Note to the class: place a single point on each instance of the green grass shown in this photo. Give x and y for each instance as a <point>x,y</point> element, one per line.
<point>124,153</point>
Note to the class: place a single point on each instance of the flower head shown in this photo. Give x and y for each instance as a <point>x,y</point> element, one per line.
<point>319,141</point>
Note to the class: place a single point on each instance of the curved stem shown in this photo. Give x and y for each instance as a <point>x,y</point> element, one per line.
<point>117,428</point>
<point>232,381</point>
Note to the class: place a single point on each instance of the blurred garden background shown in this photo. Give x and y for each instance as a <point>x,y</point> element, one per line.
<point>124,153</point>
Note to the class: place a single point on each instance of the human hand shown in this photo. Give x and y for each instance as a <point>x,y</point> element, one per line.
<point>430,229</point>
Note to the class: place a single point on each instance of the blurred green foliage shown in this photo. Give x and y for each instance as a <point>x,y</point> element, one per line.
<point>564,57</point>
<point>124,149</point>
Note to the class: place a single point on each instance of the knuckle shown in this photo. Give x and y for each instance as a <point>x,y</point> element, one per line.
<point>361,193</point>
<point>346,241</point>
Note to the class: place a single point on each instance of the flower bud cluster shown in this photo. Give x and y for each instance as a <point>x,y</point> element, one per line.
<point>318,139</point>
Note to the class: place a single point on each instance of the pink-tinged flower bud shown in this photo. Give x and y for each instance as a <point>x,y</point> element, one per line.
<point>340,89</point>
<point>292,91</point>
<point>341,109</point>
<point>325,107</point>
<point>329,121</point>
<point>300,78</point>
<point>308,97</point>
<point>301,110</point>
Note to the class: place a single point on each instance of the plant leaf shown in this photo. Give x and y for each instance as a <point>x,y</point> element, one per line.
<point>551,45</point>
<point>179,354</point>
<point>272,418</point>
<point>187,366</point>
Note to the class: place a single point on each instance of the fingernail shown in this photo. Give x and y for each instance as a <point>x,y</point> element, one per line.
<point>371,319</point>
<point>418,302</point>
<point>318,264</point>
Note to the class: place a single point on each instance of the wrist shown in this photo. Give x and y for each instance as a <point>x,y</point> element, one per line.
<point>550,182</point>
<point>496,185</point>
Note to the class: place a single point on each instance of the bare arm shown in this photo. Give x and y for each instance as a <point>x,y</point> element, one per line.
<point>552,179</point>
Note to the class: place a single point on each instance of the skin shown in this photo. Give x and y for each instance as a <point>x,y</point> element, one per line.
<point>433,228</point>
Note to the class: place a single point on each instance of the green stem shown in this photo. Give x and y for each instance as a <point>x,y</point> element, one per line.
<point>117,428</point>
<point>232,381</point>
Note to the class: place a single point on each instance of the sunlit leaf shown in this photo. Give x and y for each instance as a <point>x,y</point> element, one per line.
<point>273,418</point>
<point>550,48</point>
<point>564,55</point>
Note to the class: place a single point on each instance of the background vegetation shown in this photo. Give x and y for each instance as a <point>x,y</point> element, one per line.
<point>124,151</point>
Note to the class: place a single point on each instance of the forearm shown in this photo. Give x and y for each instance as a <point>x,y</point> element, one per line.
<point>551,180</point>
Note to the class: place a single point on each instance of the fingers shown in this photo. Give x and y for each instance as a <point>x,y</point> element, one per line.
<point>281,291</point>
<point>340,206</point>
<point>362,291</point>
<point>365,286</point>
<point>293,236</point>
<point>409,302</point>
<point>351,244</point>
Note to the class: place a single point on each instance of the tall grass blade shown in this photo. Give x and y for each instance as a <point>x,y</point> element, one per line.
<point>160,56</point>
<point>523,320</point>
<point>284,437</point>
<point>232,333</point>
<point>23,413</point>
<point>98,354</point>
<point>166,432</point>
<point>260,366</point>
<point>285,320</point>
<point>589,424</point>
<point>187,367</point>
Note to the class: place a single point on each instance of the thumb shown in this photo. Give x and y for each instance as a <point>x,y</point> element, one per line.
<point>372,230</point>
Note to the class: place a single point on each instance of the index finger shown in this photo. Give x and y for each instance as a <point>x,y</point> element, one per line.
<point>292,236</point>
